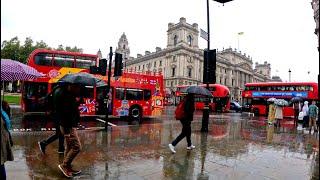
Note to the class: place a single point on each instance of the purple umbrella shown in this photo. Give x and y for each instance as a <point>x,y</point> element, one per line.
<point>13,70</point>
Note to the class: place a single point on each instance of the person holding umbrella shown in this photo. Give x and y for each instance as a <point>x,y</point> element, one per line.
<point>67,108</point>
<point>296,108</point>
<point>69,116</point>
<point>186,123</point>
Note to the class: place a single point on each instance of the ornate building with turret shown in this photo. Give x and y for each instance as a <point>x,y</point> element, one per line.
<point>181,62</point>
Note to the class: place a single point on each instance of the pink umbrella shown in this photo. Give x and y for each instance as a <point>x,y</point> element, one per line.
<point>13,70</point>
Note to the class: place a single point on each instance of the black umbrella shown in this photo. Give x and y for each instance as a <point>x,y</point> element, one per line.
<point>197,90</point>
<point>82,78</point>
<point>296,99</point>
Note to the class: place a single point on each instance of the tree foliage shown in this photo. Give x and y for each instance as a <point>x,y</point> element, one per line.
<point>13,50</point>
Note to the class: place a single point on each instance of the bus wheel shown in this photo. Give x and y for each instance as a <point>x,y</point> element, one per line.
<point>256,112</point>
<point>135,113</point>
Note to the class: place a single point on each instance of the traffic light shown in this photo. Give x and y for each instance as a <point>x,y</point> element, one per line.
<point>103,66</point>
<point>118,65</point>
<point>209,67</point>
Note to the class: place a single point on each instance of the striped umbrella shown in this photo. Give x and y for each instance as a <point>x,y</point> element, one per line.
<point>13,70</point>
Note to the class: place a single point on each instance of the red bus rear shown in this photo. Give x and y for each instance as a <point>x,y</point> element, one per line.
<point>255,95</point>
<point>220,101</point>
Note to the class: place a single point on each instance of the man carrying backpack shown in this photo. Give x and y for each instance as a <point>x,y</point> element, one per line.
<point>57,135</point>
<point>188,109</point>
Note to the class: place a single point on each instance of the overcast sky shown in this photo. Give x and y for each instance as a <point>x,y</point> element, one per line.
<point>280,32</point>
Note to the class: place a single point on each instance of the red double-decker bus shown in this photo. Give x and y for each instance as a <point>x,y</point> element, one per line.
<point>133,94</point>
<point>255,95</point>
<point>220,101</point>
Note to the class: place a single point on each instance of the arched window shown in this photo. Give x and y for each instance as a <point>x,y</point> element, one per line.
<point>173,72</point>
<point>189,40</point>
<point>124,46</point>
<point>175,40</point>
<point>189,72</point>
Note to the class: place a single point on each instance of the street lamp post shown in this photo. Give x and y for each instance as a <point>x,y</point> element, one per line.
<point>205,116</point>
<point>289,75</point>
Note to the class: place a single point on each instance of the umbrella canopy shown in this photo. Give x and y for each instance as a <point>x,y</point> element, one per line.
<point>82,78</point>
<point>281,102</point>
<point>296,99</point>
<point>271,99</point>
<point>197,90</point>
<point>14,70</point>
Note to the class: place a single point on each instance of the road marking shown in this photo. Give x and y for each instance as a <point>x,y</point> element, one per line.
<point>109,123</point>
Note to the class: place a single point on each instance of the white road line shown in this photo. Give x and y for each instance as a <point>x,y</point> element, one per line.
<point>109,123</point>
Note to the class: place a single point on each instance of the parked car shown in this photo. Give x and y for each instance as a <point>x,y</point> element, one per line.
<point>235,106</point>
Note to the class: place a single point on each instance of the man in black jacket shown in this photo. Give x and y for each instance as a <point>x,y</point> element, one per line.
<point>57,135</point>
<point>67,110</point>
<point>186,124</point>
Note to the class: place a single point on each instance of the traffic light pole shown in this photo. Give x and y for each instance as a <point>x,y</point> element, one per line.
<point>108,90</point>
<point>205,116</point>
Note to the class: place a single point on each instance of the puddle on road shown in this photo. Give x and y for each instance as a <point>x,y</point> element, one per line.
<point>235,147</point>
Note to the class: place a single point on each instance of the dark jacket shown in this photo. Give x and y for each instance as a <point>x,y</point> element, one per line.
<point>66,108</point>
<point>189,108</point>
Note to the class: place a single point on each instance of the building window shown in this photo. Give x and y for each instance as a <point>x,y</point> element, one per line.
<point>232,84</point>
<point>160,63</point>
<point>155,64</point>
<point>189,40</point>
<point>135,68</point>
<point>225,81</point>
<point>143,67</point>
<point>139,67</point>
<point>174,59</point>
<point>175,40</point>
<point>171,83</point>
<point>189,72</point>
<point>173,71</point>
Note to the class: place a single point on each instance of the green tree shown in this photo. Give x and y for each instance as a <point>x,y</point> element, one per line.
<point>60,48</point>
<point>26,49</point>
<point>42,44</point>
<point>11,49</point>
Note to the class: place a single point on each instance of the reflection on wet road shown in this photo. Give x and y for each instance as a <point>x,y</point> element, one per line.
<point>236,147</point>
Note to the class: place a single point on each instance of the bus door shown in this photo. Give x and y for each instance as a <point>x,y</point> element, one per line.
<point>32,94</point>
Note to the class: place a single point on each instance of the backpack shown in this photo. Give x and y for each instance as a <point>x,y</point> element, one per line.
<point>179,113</point>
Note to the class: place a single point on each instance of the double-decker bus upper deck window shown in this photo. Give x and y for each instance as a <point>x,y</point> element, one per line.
<point>85,62</point>
<point>258,101</point>
<point>311,88</point>
<point>120,93</point>
<point>63,60</point>
<point>43,59</point>
<point>146,94</point>
<point>134,94</point>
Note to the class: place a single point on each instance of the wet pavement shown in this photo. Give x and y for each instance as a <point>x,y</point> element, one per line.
<point>236,147</point>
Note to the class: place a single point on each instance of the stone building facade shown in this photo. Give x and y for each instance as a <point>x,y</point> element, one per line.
<point>315,7</point>
<point>181,62</point>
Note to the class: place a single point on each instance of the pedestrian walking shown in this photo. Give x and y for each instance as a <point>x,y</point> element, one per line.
<point>278,115</point>
<point>188,109</point>
<point>296,108</point>
<point>271,113</point>
<point>55,117</point>
<point>69,116</point>
<point>6,108</point>
<point>305,111</point>
<point>6,143</point>
<point>313,114</point>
